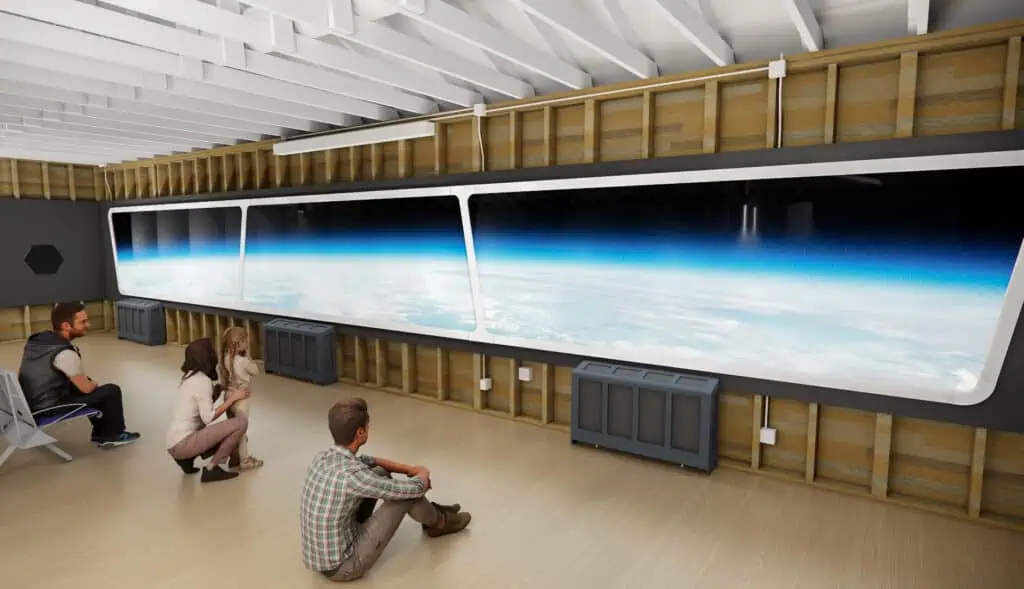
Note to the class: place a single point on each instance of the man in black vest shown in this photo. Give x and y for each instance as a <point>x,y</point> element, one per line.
<point>51,374</point>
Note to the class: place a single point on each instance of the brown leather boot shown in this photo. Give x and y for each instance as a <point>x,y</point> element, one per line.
<point>453,522</point>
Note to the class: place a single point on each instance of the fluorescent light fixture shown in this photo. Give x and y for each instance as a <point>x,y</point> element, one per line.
<point>382,134</point>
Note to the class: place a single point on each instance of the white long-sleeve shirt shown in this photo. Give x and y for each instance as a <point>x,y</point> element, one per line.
<point>193,408</point>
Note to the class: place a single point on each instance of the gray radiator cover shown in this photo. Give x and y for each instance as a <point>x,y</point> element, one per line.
<point>300,349</point>
<point>141,321</point>
<point>660,414</point>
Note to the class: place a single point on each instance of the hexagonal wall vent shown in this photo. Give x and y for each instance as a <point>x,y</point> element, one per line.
<point>44,259</point>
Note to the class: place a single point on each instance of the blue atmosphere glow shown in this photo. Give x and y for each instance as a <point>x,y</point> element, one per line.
<point>937,264</point>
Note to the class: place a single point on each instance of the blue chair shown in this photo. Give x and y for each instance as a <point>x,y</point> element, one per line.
<point>24,429</point>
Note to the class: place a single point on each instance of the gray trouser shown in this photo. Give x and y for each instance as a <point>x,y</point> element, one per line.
<point>377,530</point>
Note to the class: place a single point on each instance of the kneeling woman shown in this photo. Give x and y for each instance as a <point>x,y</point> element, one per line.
<point>193,432</point>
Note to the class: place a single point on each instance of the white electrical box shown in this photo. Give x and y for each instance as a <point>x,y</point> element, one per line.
<point>485,384</point>
<point>480,110</point>
<point>777,69</point>
<point>525,373</point>
<point>768,435</point>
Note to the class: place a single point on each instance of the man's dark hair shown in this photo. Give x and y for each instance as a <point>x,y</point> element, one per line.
<point>200,357</point>
<point>64,313</point>
<point>345,418</point>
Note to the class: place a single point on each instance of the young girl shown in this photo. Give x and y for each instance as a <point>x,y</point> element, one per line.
<point>236,372</point>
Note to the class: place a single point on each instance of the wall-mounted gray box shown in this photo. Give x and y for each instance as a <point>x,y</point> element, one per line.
<point>141,321</point>
<point>300,349</point>
<point>670,416</point>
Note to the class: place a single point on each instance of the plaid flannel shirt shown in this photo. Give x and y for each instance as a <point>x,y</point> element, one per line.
<point>336,483</point>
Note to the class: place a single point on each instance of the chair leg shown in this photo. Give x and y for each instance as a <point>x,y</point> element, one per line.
<point>7,454</point>
<point>53,448</point>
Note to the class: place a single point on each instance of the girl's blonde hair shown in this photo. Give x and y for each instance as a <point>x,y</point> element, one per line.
<point>230,346</point>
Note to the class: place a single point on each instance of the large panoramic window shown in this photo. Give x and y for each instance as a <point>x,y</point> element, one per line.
<point>179,255</point>
<point>389,262</point>
<point>883,282</point>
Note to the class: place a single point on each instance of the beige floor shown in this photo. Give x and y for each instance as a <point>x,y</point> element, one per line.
<point>546,514</point>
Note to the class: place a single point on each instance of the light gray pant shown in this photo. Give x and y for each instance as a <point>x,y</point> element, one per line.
<point>376,532</point>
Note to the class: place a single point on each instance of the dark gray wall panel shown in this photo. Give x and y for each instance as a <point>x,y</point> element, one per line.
<point>69,227</point>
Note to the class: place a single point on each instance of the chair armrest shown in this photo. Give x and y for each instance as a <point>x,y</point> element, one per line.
<point>74,406</point>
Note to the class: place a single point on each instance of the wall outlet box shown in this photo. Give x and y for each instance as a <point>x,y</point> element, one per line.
<point>485,384</point>
<point>768,435</point>
<point>525,373</point>
<point>777,69</point>
<point>480,109</point>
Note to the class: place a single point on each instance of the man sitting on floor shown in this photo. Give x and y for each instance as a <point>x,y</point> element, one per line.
<point>341,534</point>
<point>51,374</point>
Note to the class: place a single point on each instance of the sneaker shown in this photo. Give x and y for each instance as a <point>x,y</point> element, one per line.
<point>119,440</point>
<point>212,474</point>
<point>453,522</point>
<point>453,508</point>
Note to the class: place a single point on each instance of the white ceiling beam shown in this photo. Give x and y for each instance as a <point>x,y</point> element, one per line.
<point>95,117</point>
<point>807,26</point>
<point>318,23</point>
<point>53,156</point>
<point>450,20</point>
<point>692,25</point>
<point>14,94</point>
<point>68,137</point>
<point>130,79</point>
<point>310,14</point>
<point>277,35</point>
<point>917,16</point>
<point>587,30</point>
<point>40,121</point>
<point>129,98</point>
<point>162,64</point>
<point>29,140</point>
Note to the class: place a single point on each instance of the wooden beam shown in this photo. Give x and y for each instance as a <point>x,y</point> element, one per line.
<point>380,358</point>
<point>404,159</point>
<point>1011,84</point>
<point>515,390</point>
<point>26,321</point>
<point>72,190</point>
<point>710,140</point>
<point>771,133</point>
<point>755,441</point>
<point>515,140</point>
<point>880,464</point>
<point>376,161</point>
<point>261,167</point>
<point>811,457</point>
<point>353,163</point>
<point>279,165</point>
<point>442,374</point>
<point>550,137</point>
<point>547,393</point>
<point>478,372</point>
<point>46,179</point>
<point>15,183</point>
<point>408,368</point>
<point>591,131</point>
<point>360,359</point>
<point>647,129</point>
<point>241,170</point>
<point>330,163</point>
<point>907,95</point>
<point>479,144</point>
<point>441,149</point>
<point>831,89</point>
<point>977,469</point>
